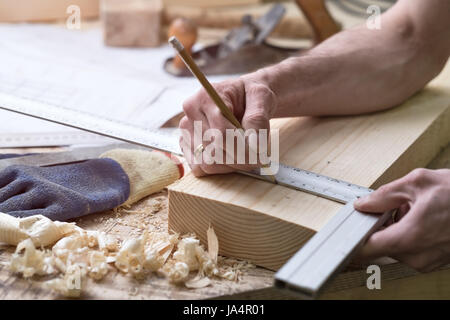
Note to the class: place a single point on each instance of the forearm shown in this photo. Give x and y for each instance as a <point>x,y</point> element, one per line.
<point>359,70</point>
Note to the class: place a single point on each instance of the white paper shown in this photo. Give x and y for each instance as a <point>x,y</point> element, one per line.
<point>73,69</point>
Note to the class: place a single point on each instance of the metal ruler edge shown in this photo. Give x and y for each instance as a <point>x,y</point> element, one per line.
<point>327,252</point>
<point>49,139</point>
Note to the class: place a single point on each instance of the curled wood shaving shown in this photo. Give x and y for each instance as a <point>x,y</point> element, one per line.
<point>29,261</point>
<point>179,272</point>
<point>131,256</point>
<point>98,266</point>
<point>70,285</point>
<point>187,253</point>
<point>107,242</point>
<point>73,254</point>
<point>213,244</point>
<point>198,283</point>
<point>40,229</point>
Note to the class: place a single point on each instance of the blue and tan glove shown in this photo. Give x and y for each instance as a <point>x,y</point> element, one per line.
<point>119,177</point>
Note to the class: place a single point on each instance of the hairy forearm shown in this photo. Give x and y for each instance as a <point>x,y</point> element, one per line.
<point>360,70</point>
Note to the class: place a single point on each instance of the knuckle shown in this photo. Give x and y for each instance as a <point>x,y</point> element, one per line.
<point>261,91</point>
<point>229,91</point>
<point>184,123</point>
<point>384,189</point>
<point>191,104</point>
<point>188,106</point>
<point>418,176</point>
<point>258,114</point>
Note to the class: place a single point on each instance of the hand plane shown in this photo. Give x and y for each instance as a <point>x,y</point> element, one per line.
<point>245,49</point>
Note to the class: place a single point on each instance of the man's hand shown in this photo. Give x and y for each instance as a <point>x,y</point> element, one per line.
<point>421,237</point>
<point>253,104</point>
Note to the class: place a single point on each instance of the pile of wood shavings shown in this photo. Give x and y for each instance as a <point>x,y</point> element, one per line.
<point>71,254</point>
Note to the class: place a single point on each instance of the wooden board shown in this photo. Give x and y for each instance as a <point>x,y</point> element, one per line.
<point>44,10</point>
<point>267,223</point>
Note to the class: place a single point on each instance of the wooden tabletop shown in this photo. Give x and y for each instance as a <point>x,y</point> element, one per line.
<point>253,283</point>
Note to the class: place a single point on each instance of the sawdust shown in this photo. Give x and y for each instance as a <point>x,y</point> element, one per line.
<point>147,249</point>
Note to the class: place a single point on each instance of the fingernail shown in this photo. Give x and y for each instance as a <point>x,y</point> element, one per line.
<point>360,201</point>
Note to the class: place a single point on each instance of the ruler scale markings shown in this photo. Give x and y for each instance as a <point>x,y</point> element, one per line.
<point>81,120</point>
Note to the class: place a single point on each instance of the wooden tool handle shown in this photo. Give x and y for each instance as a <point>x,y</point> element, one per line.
<point>320,19</point>
<point>185,30</point>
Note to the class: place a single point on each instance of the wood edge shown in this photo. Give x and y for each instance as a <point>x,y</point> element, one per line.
<point>429,145</point>
<point>266,235</point>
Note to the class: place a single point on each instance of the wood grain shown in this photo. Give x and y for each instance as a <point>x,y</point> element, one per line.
<point>267,223</point>
<point>255,284</point>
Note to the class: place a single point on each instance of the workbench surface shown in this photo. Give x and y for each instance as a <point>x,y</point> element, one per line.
<point>254,283</point>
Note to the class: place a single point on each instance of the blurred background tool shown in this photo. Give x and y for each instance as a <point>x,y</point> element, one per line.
<point>185,30</point>
<point>245,49</point>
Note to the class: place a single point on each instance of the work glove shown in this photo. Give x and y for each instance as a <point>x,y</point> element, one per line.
<point>63,192</point>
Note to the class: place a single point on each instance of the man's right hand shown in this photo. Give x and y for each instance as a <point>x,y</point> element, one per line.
<point>253,103</point>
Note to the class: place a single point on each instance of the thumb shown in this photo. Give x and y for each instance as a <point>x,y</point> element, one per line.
<point>388,197</point>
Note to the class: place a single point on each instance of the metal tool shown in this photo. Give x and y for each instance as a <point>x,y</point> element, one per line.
<point>251,31</point>
<point>64,157</point>
<point>315,264</point>
<point>49,139</point>
<point>242,50</point>
<point>327,252</point>
<point>161,139</point>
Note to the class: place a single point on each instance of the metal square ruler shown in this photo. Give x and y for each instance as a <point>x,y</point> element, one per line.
<point>308,271</point>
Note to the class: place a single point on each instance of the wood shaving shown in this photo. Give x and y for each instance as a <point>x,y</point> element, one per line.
<point>198,283</point>
<point>41,230</point>
<point>213,244</point>
<point>29,261</point>
<point>179,272</point>
<point>187,253</point>
<point>71,254</point>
